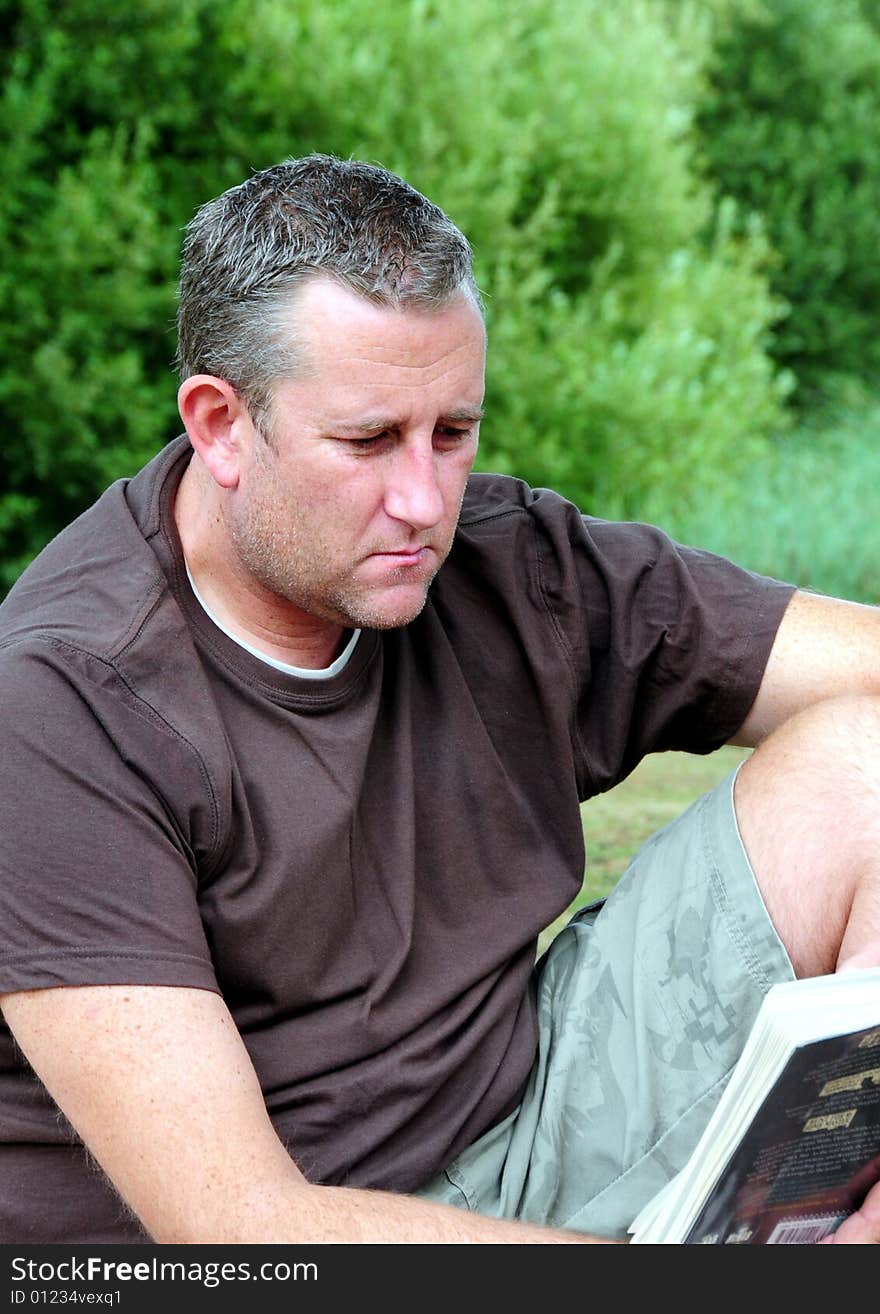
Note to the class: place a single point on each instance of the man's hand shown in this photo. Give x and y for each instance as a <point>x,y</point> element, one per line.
<point>861,1228</point>
<point>157,1082</point>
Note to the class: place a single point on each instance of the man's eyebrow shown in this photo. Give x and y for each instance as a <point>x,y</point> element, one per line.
<point>465,414</point>
<point>376,423</point>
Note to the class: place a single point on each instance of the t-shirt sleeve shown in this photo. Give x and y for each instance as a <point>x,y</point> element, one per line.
<point>97,878</point>
<point>668,644</point>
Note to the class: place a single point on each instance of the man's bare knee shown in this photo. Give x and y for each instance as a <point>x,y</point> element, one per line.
<point>808,808</point>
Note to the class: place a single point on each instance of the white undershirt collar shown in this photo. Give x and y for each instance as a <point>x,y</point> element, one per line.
<point>302,672</point>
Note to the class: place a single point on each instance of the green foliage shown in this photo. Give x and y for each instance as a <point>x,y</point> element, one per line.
<point>86,280</point>
<point>628,311</point>
<point>790,130</point>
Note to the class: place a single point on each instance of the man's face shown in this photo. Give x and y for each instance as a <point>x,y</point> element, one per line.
<point>349,508</point>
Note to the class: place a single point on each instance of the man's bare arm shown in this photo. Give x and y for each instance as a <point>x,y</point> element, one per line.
<point>824,648</point>
<point>158,1083</point>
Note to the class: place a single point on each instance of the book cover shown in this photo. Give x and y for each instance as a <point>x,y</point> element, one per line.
<point>810,1154</point>
<point>793,1146</point>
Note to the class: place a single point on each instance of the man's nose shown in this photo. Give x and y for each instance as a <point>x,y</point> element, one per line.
<point>413,493</point>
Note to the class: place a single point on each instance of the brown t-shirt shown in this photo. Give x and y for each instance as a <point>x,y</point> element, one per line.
<point>361,864</point>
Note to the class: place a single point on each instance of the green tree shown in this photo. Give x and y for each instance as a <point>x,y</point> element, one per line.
<point>789,126</point>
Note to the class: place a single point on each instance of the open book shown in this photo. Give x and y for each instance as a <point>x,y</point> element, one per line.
<point>794,1143</point>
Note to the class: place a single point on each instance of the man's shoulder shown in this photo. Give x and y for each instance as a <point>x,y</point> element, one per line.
<point>92,586</point>
<point>493,496</point>
<point>88,586</point>
<point>509,532</point>
<point>93,629</point>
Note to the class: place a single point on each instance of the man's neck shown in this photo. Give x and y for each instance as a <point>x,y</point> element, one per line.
<point>241,606</point>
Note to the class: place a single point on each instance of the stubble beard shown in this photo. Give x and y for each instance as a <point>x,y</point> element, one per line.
<point>336,601</point>
<point>294,567</point>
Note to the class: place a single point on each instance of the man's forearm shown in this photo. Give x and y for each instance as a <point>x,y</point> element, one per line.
<point>161,1089</point>
<point>303,1214</point>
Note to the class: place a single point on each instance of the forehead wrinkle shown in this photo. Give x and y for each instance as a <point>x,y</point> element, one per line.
<point>444,358</point>
<point>416,386</point>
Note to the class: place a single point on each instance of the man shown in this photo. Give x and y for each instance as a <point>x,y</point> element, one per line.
<point>297,723</point>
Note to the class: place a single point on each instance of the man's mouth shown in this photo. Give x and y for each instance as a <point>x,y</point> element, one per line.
<point>405,556</point>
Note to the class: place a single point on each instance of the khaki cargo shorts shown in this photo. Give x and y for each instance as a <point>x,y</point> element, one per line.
<point>644,1003</point>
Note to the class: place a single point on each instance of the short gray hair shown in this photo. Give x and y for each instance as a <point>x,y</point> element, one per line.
<point>246,252</point>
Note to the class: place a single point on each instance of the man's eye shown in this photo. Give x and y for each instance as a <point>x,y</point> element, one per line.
<point>451,434</point>
<point>370,441</point>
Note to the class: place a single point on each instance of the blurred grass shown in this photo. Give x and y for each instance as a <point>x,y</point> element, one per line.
<point>808,512</point>
<point>617,823</point>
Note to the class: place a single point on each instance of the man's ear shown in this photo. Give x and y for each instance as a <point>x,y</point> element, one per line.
<point>218,423</point>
